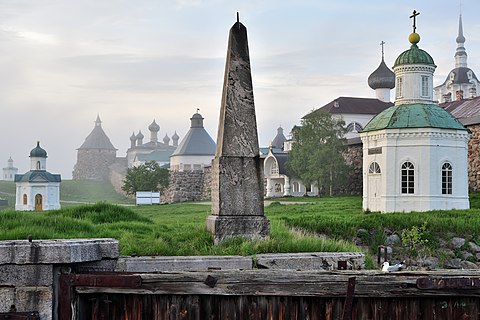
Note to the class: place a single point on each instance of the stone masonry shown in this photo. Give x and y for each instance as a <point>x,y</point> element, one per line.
<point>474,158</point>
<point>188,186</point>
<point>28,270</point>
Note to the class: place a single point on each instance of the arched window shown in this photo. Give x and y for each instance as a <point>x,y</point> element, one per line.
<point>274,168</point>
<point>296,187</point>
<point>374,168</point>
<point>38,165</point>
<point>408,178</point>
<point>354,127</point>
<point>278,187</point>
<point>25,199</point>
<point>447,178</point>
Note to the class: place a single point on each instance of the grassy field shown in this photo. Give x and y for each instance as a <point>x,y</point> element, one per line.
<point>317,224</point>
<point>72,192</point>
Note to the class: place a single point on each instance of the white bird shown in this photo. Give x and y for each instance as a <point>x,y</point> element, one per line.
<point>396,267</point>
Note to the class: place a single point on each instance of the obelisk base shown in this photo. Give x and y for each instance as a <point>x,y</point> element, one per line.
<point>248,227</point>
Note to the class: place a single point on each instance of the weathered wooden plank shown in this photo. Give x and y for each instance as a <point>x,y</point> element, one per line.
<point>316,284</point>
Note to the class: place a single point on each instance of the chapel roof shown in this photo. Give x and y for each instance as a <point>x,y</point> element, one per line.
<point>37,176</point>
<point>414,55</point>
<point>38,152</point>
<point>281,158</point>
<point>417,115</point>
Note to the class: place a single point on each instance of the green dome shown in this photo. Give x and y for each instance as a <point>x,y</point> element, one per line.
<point>38,152</point>
<point>414,55</point>
<point>417,115</point>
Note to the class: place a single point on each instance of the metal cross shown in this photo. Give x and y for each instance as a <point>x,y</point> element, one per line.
<point>414,16</point>
<point>382,43</point>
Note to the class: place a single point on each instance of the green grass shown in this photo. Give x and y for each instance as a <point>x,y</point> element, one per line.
<point>72,192</point>
<point>319,224</point>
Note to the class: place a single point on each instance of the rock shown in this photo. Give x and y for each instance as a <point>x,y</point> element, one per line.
<point>453,264</point>
<point>362,233</point>
<point>392,239</point>
<point>474,247</point>
<point>468,265</point>
<point>458,242</point>
<point>477,256</point>
<point>430,262</point>
<point>466,255</point>
<point>448,252</point>
<point>387,231</point>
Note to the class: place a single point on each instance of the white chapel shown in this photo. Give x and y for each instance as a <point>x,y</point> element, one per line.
<point>414,153</point>
<point>38,189</point>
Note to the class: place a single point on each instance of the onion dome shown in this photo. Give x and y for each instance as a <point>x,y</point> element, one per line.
<point>154,127</point>
<point>140,135</point>
<point>133,137</point>
<point>175,136</point>
<point>382,77</point>
<point>10,160</point>
<point>414,55</point>
<point>38,152</point>
<point>166,139</point>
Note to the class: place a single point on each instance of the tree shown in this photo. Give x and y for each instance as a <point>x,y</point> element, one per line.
<point>145,177</point>
<point>317,151</point>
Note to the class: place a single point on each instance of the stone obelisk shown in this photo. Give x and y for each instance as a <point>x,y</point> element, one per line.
<point>237,169</point>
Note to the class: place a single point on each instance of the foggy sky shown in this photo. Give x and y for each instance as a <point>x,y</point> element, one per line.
<point>62,62</point>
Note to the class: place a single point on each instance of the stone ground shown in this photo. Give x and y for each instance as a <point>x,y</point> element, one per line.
<point>453,252</point>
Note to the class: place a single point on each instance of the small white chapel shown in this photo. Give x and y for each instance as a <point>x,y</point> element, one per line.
<point>38,189</point>
<point>414,153</point>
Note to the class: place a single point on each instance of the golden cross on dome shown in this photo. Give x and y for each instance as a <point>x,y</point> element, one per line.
<point>414,16</point>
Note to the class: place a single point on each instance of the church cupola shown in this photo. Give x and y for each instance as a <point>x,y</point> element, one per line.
<point>166,139</point>
<point>38,158</point>
<point>140,137</point>
<point>175,139</point>
<point>461,82</point>
<point>414,70</point>
<point>196,120</point>
<point>133,140</point>
<point>279,139</point>
<point>382,80</point>
<point>154,128</point>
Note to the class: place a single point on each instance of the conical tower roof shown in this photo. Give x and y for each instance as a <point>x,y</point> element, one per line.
<point>97,139</point>
<point>197,141</point>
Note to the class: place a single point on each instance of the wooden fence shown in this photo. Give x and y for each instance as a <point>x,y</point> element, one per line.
<point>267,294</point>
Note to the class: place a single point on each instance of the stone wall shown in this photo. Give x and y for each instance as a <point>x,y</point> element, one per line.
<point>188,186</point>
<point>354,159</point>
<point>474,158</point>
<point>29,270</point>
<point>118,170</point>
<point>93,164</point>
